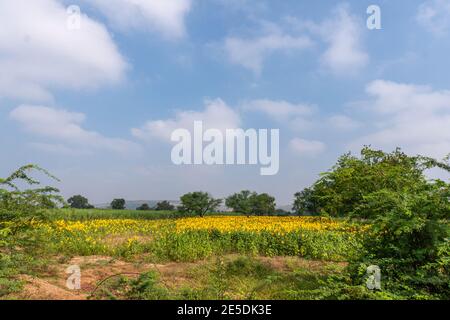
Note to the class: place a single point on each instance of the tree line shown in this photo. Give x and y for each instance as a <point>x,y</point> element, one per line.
<point>198,203</point>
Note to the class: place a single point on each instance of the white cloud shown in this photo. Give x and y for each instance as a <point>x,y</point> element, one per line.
<point>415,118</point>
<point>165,16</point>
<point>216,115</point>
<point>251,52</point>
<point>280,110</point>
<point>344,54</point>
<point>64,130</point>
<point>344,123</point>
<point>309,148</point>
<point>39,52</point>
<point>434,16</point>
<point>297,116</point>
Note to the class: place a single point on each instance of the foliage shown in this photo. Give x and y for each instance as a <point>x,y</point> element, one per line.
<point>147,287</point>
<point>263,204</point>
<point>144,207</point>
<point>20,207</point>
<point>305,203</point>
<point>341,190</point>
<point>118,204</point>
<point>198,203</point>
<point>409,239</point>
<point>164,206</point>
<point>251,203</point>
<point>79,202</point>
<point>241,202</point>
<point>408,214</point>
<point>18,210</point>
<point>247,266</point>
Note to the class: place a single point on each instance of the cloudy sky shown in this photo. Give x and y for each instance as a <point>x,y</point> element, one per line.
<point>95,105</point>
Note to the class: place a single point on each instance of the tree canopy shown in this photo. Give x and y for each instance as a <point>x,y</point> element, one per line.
<point>79,202</point>
<point>198,203</point>
<point>251,203</point>
<point>164,206</point>
<point>118,204</point>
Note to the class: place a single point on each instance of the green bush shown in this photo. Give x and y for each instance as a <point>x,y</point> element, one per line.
<point>407,213</point>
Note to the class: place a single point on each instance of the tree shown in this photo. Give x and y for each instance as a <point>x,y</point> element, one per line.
<point>198,203</point>
<point>144,207</point>
<point>118,204</point>
<point>241,202</point>
<point>251,203</point>
<point>19,207</point>
<point>79,202</point>
<point>407,234</point>
<point>263,204</point>
<point>305,203</point>
<point>164,206</point>
<point>341,190</point>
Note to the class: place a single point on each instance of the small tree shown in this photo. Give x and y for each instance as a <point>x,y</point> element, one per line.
<point>18,210</point>
<point>144,207</point>
<point>79,202</point>
<point>251,203</point>
<point>241,202</point>
<point>118,204</point>
<point>263,204</point>
<point>164,206</point>
<point>20,207</point>
<point>198,203</point>
<point>305,203</point>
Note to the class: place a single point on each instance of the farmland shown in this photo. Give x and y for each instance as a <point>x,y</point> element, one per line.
<point>256,255</point>
<point>373,227</point>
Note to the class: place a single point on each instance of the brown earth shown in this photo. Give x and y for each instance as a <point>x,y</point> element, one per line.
<point>94,269</point>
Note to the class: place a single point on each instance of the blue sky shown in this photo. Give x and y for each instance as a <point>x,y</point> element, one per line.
<point>95,105</point>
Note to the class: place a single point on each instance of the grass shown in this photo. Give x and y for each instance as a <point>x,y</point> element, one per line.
<point>92,214</point>
<point>227,277</point>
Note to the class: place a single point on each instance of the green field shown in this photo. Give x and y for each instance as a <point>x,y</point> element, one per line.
<point>142,250</point>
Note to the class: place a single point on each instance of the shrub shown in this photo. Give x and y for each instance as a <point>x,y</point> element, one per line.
<point>407,213</point>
